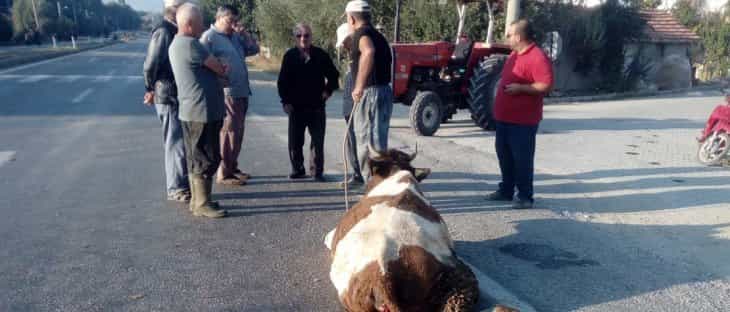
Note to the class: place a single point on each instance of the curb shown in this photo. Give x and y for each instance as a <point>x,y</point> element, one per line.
<point>50,55</point>
<point>493,293</point>
<point>617,96</point>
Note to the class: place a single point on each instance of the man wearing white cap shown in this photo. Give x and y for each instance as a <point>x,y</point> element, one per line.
<point>344,41</point>
<point>371,66</point>
<point>162,92</point>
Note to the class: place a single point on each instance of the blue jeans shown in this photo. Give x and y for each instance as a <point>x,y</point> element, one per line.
<point>176,172</point>
<point>372,123</point>
<point>515,145</point>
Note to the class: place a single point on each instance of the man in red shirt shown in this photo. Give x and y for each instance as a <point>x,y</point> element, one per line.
<point>526,78</point>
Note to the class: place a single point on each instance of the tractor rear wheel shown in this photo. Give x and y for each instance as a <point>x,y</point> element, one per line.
<point>425,113</point>
<point>483,90</point>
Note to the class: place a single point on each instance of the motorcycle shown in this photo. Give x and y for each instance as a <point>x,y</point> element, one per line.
<point>714,143</point>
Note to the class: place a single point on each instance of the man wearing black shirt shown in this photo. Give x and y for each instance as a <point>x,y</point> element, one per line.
<point>371,66</point>
<point>307,79</point>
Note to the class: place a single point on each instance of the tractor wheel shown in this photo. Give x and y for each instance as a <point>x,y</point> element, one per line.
<point>714,149</point>
<point>426,113</point>
<point>483,90</point>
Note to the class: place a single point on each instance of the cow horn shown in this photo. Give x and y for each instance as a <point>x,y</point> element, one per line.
<point>413,156</point>
<point>373,153</point>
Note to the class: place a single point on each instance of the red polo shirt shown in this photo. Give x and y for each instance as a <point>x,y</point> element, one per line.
<point>528,67</point>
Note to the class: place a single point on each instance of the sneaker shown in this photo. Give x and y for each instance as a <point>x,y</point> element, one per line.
<point>523,204</point>
<point>297,175</point>
<point>498,196</point>
<point>320,178</point>
<point>353,182</point>
<point>180,196</point>
<point>241,175</point>
<point>230,181</point>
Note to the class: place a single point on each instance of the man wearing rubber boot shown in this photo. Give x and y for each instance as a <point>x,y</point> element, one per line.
<point>197,75</point>
<point>526,78</point>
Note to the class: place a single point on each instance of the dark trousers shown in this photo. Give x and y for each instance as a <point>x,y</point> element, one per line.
<point>315,121</point>
<point>202,147</point>
<point>515,145</point>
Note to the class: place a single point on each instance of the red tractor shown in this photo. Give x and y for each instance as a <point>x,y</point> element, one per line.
<point>438,78</point>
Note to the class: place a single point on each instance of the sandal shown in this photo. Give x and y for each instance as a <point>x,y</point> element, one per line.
<point>180,196</point>
<point>230,181</point>
<point>241,175</point>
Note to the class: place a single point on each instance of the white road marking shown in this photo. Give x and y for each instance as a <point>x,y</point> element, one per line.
<point>104,78</point>
<point>82,96</point>
<point>33,78</point>
<point>17,68</point>
<point>68,78</point>
<point>6,156</point>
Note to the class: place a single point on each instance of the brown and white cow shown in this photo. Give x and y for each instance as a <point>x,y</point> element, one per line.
<point>392,251</point>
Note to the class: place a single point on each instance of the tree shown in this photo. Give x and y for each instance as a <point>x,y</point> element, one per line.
<point>688,12</point>
<point>122,16</point>
<point>6,28</point>
<point>245,7</point>
<point>714,31</point>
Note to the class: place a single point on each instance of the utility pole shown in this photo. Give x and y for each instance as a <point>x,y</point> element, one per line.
<point>396,28</point>
<point>513,13</point>
<point>35,15</point>
<point>73,8</point>
<point>58,6</point>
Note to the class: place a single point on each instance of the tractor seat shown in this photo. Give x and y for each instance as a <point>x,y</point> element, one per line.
<point>462,51</point>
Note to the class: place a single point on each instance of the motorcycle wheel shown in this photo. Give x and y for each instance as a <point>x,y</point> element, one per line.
<point>714,149</point>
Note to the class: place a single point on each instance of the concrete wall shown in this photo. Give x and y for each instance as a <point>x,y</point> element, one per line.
<point>566,80</point>
<point>670,69</point>
<point>670,65</point>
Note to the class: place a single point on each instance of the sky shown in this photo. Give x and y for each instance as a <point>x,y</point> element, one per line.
<point>156,5</point>
<point>146,5</point>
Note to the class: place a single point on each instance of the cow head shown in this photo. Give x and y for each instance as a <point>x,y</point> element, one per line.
<point>384,164</point>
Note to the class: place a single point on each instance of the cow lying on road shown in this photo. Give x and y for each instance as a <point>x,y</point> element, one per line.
<point>392,251</point>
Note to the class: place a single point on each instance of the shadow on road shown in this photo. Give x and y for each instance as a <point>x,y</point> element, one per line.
<point>568,280</point>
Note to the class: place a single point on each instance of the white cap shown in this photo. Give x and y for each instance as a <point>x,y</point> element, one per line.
<point>342,33</point>
<point>176,3</point>
<point>357,6</point>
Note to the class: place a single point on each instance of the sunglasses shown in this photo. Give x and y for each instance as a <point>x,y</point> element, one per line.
<point>302,35</point>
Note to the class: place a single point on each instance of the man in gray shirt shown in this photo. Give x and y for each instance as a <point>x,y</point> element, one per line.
<point>232,48</point>
<point>202,110</point>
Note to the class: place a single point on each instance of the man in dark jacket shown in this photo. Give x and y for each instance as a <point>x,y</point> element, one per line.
<point>160,90</point>
<point>307,79</point>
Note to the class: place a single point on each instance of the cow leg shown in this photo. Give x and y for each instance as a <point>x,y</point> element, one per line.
<point>464,289</point>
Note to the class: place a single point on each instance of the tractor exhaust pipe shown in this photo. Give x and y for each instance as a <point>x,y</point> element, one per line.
<point>490,27</point>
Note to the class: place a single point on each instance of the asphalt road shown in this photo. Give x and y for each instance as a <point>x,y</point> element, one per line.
<point>84,224</point>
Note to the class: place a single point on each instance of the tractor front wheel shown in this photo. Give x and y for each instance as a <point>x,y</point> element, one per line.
<point>425,113</point>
